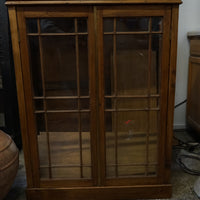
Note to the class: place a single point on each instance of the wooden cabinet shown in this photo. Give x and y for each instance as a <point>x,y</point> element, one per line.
<point>193,105</point>
<point>96,83</point>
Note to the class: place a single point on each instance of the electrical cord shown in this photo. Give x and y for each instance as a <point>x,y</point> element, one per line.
<point>191,148</point>
<point>184,167</point>
<point>179,104</point>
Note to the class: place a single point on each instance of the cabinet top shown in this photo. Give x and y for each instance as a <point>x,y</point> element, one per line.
<point>193,35</point>
<point>54,2</point>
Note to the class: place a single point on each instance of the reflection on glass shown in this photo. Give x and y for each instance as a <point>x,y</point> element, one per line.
<point>132,64</point>
<point>31,25</point>
<point>60,65</point>
<point>156,23</point>
<point>132,24</point>
<point>35,65</point>
<point>57,25</point>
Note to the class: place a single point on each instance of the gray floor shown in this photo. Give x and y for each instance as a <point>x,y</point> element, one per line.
<point>182,182</point>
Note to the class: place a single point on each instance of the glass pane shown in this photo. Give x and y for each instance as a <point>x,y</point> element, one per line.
<point>62,122</point>
<point>87,172</point>
<point>83,65</point>
<point>129,103</point>
<point>156,63</point>
<point>2,120</point>
<point>108,121</point>
<point>82,25</point>
<point>154,103</point>
<point>1,79</point>
<point>132,170</point>
<point>108,25</point>
<point>86,149</point>
<point>126,137</point>
<point>84,104</point>
<point>31,25</point>
<point>39,105</point>
<point>85,122</point>
<point>43,155</point>
<point>153,149</point>
<point>109,103</point>
<point>152,170</point>
<point>156,23</point>
<point>132,64</point>
<point>59,57</point>
<point>108,64</point>
<point>65,154</point>
<point>152,154</point>
<point>35,65</point>
<point>66,172</point>
<point>154,117</point>
<point>132,24</point>
<point>62,104</point>
<point>63,133</point>
<point>57,25</point>
<point>132,123</point>
<point>40,123</point>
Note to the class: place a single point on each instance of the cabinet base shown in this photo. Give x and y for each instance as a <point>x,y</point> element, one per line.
<point>99,193</point>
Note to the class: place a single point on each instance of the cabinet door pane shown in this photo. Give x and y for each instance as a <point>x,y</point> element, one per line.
<point>132,54</point>
<point>59,70</point>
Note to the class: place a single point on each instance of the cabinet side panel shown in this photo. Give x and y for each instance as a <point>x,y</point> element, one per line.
<point>171,95</point>
<point>20,90</point>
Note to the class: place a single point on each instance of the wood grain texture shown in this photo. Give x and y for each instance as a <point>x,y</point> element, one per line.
<point>20,92</point>
<point>171,93</point>
<point>11,2</point>
<point>98,193</point>
<point>193,105</point>
<point>28,93</point>
<point>151,173</point>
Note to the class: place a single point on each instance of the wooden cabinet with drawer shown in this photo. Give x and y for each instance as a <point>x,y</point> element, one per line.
<point>193,99</point>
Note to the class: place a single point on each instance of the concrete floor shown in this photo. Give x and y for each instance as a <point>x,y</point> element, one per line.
<point>182,182</point>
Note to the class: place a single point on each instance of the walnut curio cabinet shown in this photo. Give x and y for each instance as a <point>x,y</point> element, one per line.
<point>96,83</point>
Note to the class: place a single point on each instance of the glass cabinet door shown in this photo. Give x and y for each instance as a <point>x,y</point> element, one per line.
<point>61,112</point>
<point>132,67</point>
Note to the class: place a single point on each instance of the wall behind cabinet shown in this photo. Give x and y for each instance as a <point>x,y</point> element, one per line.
<point>189,15</point>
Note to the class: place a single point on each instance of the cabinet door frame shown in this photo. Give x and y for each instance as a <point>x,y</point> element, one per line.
<point>136,11</point>
<point>30,134</point>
